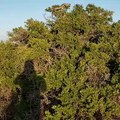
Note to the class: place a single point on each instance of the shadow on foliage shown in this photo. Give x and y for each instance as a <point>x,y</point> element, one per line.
<point>26,103</point>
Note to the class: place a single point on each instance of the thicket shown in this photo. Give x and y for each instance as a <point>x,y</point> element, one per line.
<point>65,69</point>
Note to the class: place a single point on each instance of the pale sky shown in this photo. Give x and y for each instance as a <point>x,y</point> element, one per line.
<point>13,13</point>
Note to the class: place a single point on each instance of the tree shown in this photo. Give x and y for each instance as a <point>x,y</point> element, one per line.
<point>78,54</point>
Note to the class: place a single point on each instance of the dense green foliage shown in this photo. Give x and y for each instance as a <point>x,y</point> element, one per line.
<point>67,69</point>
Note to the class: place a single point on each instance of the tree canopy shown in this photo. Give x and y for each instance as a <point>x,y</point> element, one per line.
<point>75,59</point>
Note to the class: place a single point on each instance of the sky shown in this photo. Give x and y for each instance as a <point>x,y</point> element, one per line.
<point>14,13</point>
